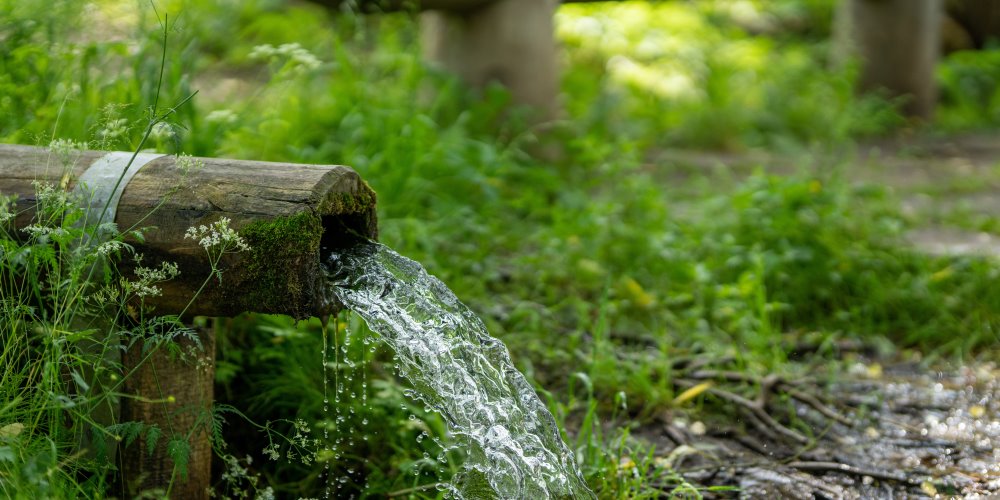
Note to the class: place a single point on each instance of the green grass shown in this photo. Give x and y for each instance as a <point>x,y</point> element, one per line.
<point>589,267</point>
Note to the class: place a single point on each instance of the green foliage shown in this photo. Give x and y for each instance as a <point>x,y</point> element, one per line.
<point>598,272</point>
<point>667,74</point>
<point>970,89</point>
<point>179,451</point>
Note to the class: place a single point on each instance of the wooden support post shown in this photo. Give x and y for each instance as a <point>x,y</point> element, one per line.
<point>511,42</point>
<point>898,44</point>
<point>175,393</point>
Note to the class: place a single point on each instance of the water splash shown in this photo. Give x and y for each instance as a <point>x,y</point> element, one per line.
<point>512,444</point>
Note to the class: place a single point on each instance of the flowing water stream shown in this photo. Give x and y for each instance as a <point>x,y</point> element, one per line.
<point>512,445</point>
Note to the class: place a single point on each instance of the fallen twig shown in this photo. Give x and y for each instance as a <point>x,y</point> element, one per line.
<point>850,470</point>
<point>763,420</point>
<point>818,405</point>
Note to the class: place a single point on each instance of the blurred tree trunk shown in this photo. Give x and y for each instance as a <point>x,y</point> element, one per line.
<point>511,42</point>
<point>898,45</point>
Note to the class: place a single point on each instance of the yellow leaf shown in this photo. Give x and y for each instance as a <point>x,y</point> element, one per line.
<point>976,411</point>
<point>942,275</point>
<point>874,370</point>
<point>692,393</point>
<point>928,488</point>
<point>637,294</point>
<point>626,463</point>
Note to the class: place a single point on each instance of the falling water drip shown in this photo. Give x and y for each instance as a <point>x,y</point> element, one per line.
<point>326,408</point>
<point>338,419</point>
<point>511,442</point>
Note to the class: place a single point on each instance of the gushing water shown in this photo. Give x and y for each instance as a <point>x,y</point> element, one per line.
<point>512,444</point>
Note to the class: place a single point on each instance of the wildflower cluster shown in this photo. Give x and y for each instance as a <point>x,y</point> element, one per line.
<point>240,482</point>
<point>114,128</point>
<point>221,117</point>
<point>39,231</point>
<point>6,203</point>
<point>217,236</point>
<point>49,197</point>
<point>186,163</point>
<point>300,444</point>
<point>110,247</point>
<point>147,278</point>
<point>66,150</point>
<point>162,131</point>
<point>297,59</point>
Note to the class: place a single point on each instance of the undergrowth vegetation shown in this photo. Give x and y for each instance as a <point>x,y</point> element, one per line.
<point>596,270</point>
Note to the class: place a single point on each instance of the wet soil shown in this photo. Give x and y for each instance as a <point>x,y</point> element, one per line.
<point>910,433</point>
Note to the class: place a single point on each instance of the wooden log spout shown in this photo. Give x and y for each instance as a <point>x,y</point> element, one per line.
<point>285,212</point>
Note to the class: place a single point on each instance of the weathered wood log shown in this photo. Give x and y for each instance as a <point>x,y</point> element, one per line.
<point>286,212</point>
<point>898,43</point>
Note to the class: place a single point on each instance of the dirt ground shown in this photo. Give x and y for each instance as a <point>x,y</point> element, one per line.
<point>899,431</point>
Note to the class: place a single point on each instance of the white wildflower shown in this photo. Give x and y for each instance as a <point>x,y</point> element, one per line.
<point>298,58</point>
<point>145,285</point>
<point>110,246</point>
<point>6,203</point>
<point>265,494</point>
<point>221,117</point>
<point>217,236</point>
<point>264,51</point>
<point>161,131</point>
<point>49,196</point>
<point>186,163</point>
<point>114,128</point>
<point>66,150</point>
<point>37,230</point>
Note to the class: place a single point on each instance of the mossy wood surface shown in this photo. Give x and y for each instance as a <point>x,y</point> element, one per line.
<point>285,212</point>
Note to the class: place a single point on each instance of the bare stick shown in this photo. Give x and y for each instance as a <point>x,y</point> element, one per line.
<point>851,470</point>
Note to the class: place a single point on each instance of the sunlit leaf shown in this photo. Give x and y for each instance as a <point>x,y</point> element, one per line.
<point>692,393</point>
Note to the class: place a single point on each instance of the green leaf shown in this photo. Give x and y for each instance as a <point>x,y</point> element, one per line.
<point>153,434</point>
<point>82,384</point>
<point>179,451</point>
